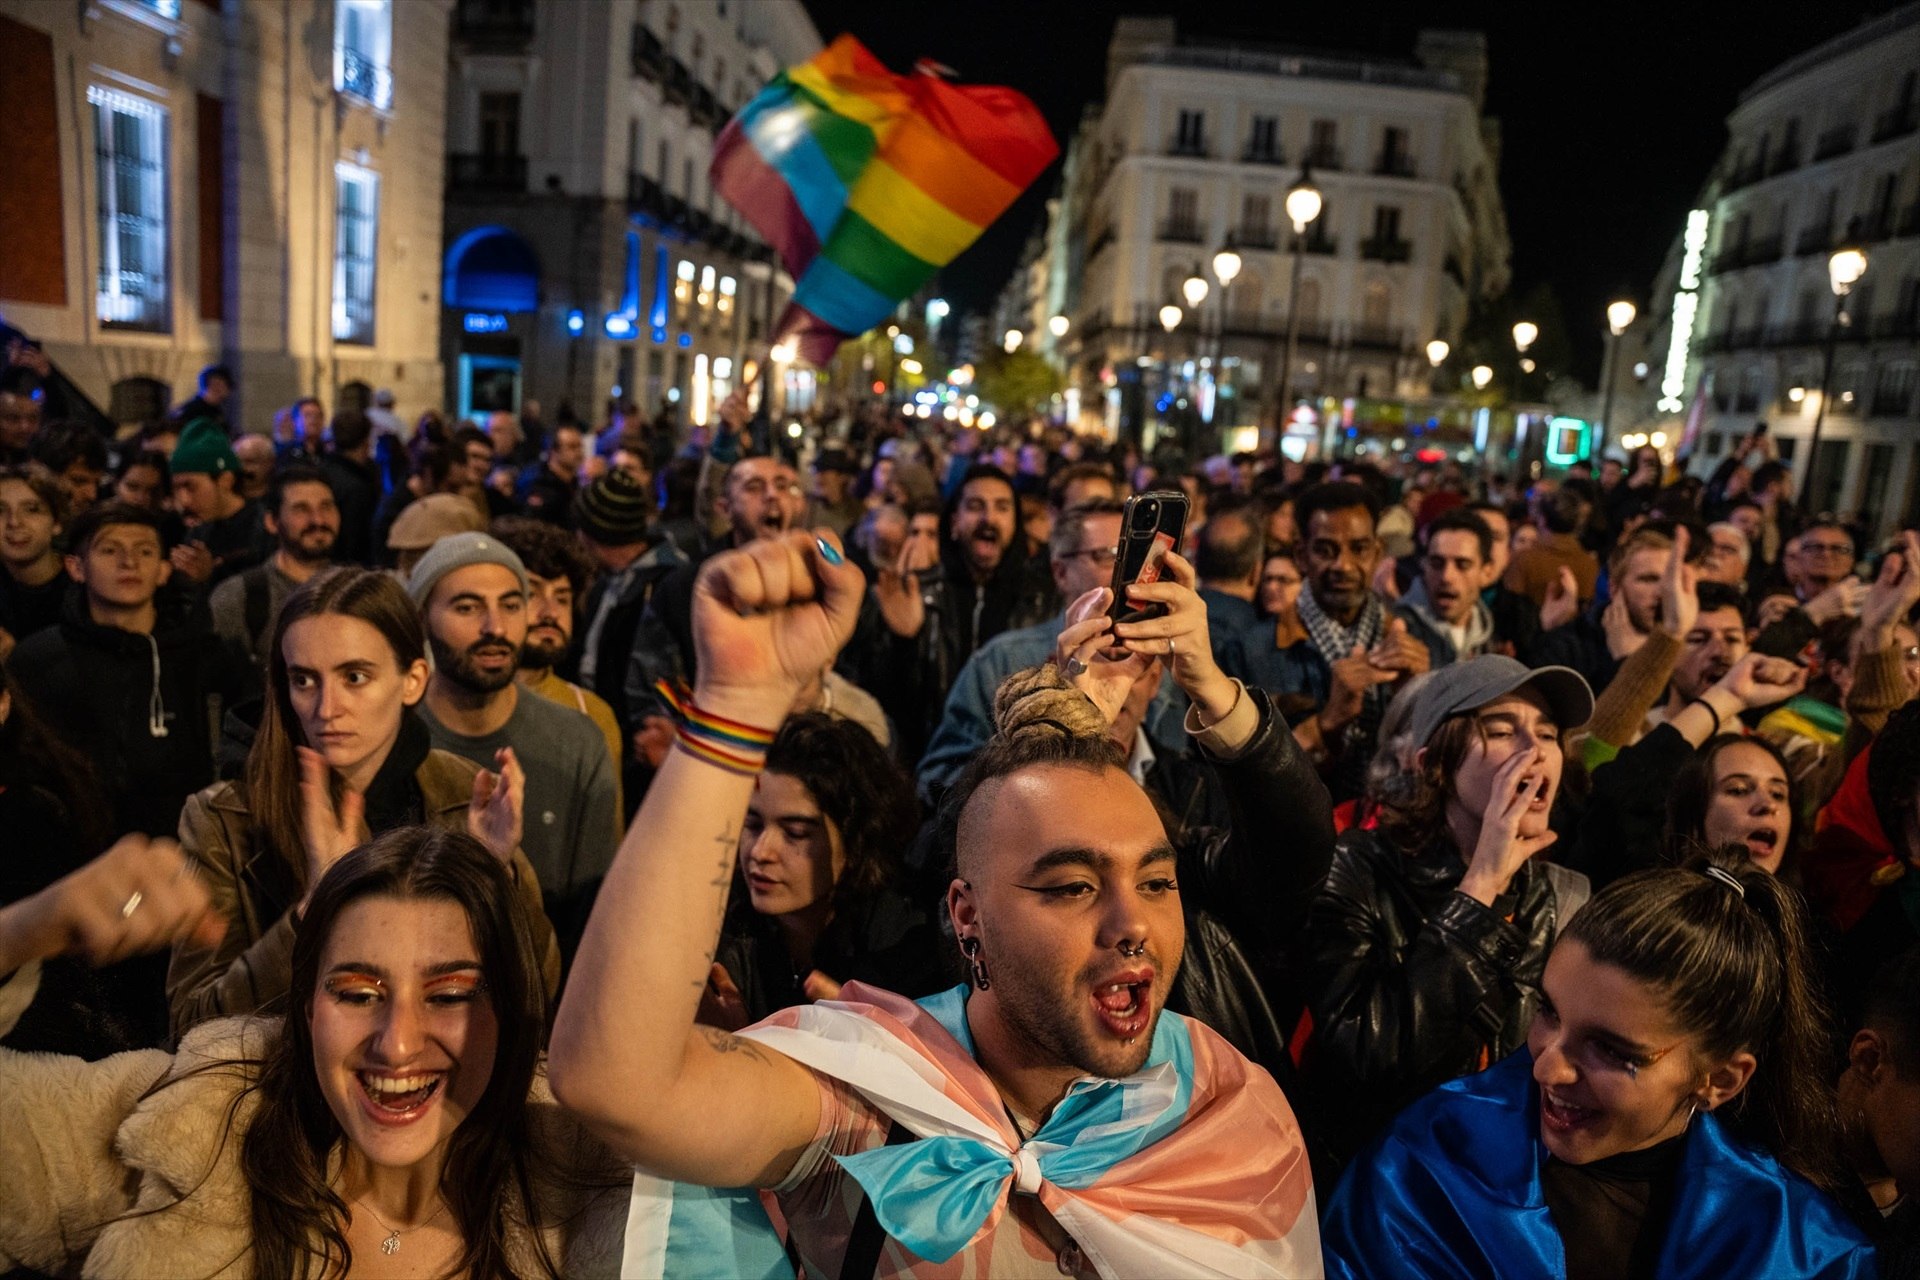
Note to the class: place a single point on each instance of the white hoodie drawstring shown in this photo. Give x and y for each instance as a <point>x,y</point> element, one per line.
<point>156,709</point>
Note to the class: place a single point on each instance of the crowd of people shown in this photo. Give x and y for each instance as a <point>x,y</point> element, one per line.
<point>690,849</point>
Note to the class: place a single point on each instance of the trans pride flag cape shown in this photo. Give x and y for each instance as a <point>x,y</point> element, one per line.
<point>867,182</point>
<point>1192,1167</point>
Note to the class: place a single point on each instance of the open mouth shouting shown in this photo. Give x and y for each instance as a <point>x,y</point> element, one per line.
<point>1124,1005</point>
<point>1562,1117</point>
<point>390,1099</point>
<point>1763,844</point>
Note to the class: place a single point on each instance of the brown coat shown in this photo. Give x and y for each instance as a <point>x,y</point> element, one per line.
<point>255,891</point>
<point>130,1167</point>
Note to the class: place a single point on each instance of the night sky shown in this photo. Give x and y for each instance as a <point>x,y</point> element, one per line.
<point>1612,115</point>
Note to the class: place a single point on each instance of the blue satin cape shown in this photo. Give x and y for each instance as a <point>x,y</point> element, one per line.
<point>1453,1190</point>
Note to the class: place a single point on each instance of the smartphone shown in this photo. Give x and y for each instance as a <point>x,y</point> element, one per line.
<point>1150,527</point>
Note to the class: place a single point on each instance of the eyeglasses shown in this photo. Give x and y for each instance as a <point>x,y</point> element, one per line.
<point>1828,549</point>
<point>1101,556</point>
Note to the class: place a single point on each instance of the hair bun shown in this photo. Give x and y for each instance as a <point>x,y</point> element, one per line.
<point>1040,700</point>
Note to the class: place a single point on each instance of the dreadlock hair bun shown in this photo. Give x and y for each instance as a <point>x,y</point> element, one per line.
<point>1040,701</point>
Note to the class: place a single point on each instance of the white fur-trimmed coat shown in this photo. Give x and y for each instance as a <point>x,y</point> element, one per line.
<point>88,1148</point>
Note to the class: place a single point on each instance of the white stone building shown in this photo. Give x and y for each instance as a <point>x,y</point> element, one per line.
<point>1822,150</point>
<point>256,183</point>
<point>588,261</point>
<point>1196,146</point>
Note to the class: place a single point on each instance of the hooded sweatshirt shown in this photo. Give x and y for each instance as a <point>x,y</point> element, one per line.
<point>135,705</point>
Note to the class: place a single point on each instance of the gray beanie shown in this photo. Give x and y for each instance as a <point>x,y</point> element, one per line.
<point>457,551</point>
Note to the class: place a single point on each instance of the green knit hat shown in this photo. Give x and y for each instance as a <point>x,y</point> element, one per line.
<point>203,448</point>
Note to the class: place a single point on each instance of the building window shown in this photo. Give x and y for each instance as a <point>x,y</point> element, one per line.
<point>1323,147</point>
<point>363,51</point>
<point>1264,142</point>
<point>355,233</point>
<point>1256,222</point>
<point>666,162</point>
<point>130,154</point>
<point>1893,391</point>
<point>1190,137</point>
<point>1394,159</point>
<point>500,124</point>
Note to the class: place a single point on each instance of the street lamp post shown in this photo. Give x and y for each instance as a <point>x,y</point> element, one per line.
<point>1226,265</point>
<point>1844,269</point>
<point>1620,314</point>
<point>1303,204</point>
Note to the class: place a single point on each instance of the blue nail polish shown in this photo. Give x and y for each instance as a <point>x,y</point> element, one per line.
<point>831,552</point>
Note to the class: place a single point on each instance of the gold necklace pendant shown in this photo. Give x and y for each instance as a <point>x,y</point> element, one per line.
<point>391,1245</point>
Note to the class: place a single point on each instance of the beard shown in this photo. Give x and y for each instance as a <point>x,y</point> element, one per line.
<point>459,665</point>
<point>315,546</point>
<point>1052,1022</point>
<point>543,650</point>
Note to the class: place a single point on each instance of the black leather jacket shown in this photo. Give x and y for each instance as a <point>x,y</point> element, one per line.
<point>1245,890</point>
<point>1411,982</point>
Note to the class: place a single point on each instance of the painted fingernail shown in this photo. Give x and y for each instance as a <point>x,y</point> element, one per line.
<point>828,550</point>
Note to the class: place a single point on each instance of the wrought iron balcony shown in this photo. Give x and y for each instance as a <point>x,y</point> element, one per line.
<point>361,77</point>
<point>1320,243</point>
<point>1257,238</point>
<point>1813,240</point>
<point>1263,155</point>
<point>1325,157</point>
<point>1182,231</point>
<point>1190,148</point>
<point>1394,166</point>
<point>1377,337</point>
<point>1836,141</point>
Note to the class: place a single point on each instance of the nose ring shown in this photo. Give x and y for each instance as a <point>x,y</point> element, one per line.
<point>1132,952</point>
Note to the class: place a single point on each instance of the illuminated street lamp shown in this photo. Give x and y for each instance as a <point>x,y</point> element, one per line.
<point>1012,341</point>
<point>1058,326</point>
<point>1482,375</point>
<point>1303,205</point>
<point>1620,314</point>
<point>1194,289</point>
<point>1524,334</point>
<point>1844,268</point>
<point>1437,351</point>
<point>1170,317</point>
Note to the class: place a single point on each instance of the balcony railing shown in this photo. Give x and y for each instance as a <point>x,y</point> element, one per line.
<point>1836,141</point>
<point>1892,402</point>
<point>1897,122</point>
<point>1813,240</point>
<point>648,54</point>
<point>1394,166</point>
<point>1379,249</point>
<point>486,171</point>
<point>1797,333</point>
<point>1873,228</point>
<point>1190,147</point>
<point>1182,231</point>
<point>1257,238</point>
<point>494,26</point>
<point>1764,250</point>
<point>1785,160</point>
<point>363,78</point>
<point>1263,155</point>
<point>1898,326</point>
<point>704,108</point>
<point>1324,157</point>
<point>1320,244</point>
<point>1747,401</point>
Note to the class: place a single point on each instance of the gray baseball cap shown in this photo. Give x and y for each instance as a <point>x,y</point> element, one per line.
<point>1464,686</point>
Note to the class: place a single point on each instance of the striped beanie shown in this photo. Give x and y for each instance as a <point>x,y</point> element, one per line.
<point>614,510</point>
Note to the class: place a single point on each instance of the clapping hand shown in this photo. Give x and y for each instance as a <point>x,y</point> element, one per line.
<point>1563,600</point>
<point>331,831</point>
<point>1679,590</point>
<point>1894,593</point>
<point>494,814</point>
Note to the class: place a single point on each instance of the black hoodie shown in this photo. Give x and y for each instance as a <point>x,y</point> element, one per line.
<point>95,687</point>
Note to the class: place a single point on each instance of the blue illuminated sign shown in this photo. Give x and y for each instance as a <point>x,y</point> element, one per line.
<point>686,339</point>
<point>619,326</point>
<point>576,322</point>
<point>483,322</point>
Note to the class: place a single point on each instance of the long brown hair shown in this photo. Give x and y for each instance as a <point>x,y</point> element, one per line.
<point>273,769</point>
<point>1734,966</point>
<point>1413,806</point>
<point>287,1148</point>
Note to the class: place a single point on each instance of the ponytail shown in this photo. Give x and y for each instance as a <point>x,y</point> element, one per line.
<point>1728,948</point>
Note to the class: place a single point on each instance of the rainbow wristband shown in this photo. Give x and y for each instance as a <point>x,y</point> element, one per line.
<point>733,746</point>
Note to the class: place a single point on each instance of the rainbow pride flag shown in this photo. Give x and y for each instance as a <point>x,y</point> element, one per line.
<point>867,182</point>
